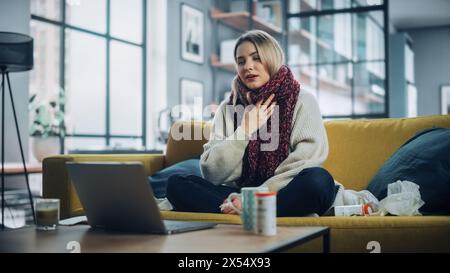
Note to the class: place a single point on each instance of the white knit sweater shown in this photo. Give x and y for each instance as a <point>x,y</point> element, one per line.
<point>221,161</point>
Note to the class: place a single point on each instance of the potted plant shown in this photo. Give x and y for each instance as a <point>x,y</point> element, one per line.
<point>48,126</point>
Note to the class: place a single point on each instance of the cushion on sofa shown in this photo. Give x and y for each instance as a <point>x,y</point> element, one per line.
<point>158,181</point>
<point>186,140</point>
<point>425,160</point>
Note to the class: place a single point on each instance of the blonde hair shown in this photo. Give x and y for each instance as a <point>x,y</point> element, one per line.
<point>267,47</point>
<point>269,50</point>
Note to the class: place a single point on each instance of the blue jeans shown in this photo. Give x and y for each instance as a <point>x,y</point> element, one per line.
<point>311,191</point>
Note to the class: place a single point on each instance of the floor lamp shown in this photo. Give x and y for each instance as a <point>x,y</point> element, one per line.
<point>16,55</point>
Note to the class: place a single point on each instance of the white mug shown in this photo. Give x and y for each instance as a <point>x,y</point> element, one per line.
<point>248,215</point>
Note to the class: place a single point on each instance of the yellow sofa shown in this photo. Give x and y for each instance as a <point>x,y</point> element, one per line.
<point>358,148</point>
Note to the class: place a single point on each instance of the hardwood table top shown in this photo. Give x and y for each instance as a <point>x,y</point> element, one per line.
<point>222,238</point>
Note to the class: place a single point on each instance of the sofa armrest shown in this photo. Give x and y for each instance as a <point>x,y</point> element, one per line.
<point>56,183</point>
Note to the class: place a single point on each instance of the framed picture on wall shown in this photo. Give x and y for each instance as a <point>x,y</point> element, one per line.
<point>445,99</point>
<point>192,39</point>
<point>191,99</point>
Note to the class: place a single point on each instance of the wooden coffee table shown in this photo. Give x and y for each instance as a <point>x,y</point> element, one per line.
<point>220,239</point>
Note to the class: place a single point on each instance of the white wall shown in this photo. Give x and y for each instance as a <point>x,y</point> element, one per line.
<point>15,17</point>
<point>156,66</point>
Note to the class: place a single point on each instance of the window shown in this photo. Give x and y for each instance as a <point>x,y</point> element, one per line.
<point>337,50</point>
<point>410,82</point>
<point>85,82</point>
<point>94,50</point>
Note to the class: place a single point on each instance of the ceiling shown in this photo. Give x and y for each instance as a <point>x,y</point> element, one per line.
<point>405,14</point>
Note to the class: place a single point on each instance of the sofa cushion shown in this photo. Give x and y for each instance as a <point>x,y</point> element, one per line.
<point>158,181</point>
<point>425,160</point>
<point>186,140</point>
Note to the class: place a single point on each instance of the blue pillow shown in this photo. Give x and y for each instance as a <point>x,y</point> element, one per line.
<point>158,181</point>
<point>424,160</point>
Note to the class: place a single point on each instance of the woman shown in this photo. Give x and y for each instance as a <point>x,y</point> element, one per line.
<point>239,153</point>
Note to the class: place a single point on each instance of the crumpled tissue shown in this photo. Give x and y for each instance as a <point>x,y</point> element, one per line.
<point>403,198</point>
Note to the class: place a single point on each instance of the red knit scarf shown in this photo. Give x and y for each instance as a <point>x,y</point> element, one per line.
<point>258,166</point>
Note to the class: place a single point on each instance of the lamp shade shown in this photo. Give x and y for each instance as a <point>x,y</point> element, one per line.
<point>16,52</point>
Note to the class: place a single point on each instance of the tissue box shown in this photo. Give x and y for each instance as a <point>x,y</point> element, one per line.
<point>227,51</point>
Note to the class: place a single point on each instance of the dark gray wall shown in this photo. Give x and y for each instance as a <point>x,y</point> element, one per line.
<point>397,80</point>
<point>431,48</point>
<point>178,68</point>
<point>223,78</point>
<point>15,17</point>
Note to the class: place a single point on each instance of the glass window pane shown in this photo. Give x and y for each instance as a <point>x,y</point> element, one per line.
<point>333,4</point>
<point>270,11</point>
<point>126,143</point>
<point>126,89</point>
<point>86,82</point>
<point>84,143</point>
<point>45,73</point>
<point>364,3</point>
<point>307,77</point>
<point>370,89</point>
<point>302,41</point>
<point>90,14</point>
<point>296,6</point>
<point>126,20</point>
<point>409,64</point>
<point>45,8</point>
<point>334,38</point>
<point>412,101</point>
<point>368,37</point>
<point>335,90</point>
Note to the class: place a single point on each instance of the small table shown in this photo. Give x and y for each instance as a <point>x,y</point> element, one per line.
<point>220,239</point>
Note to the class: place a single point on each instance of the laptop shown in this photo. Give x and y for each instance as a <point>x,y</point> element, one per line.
<point>117,196</point>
